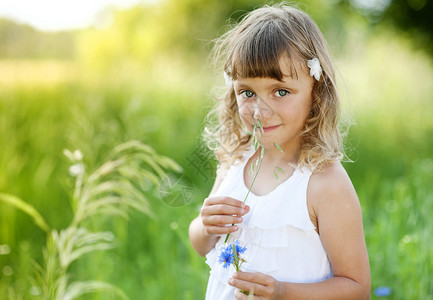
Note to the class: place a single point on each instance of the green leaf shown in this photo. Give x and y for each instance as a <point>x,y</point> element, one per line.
<point>263,153</point>
<point>276,175</point>
<point>278,147</point>
<point>252,169</point>
<point>260,124</point>
<point>27,208</point>
<point>281,170</point>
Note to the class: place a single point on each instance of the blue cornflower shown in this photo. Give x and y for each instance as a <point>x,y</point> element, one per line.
<point>240,249</point>
<point>226,257</point>
<point>382,291</point>
<point>231,255</point>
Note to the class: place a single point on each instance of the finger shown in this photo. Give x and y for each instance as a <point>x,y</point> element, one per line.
<point>224,200</point>
<point>221,229</point>
<point>255,277</point>
<point>248,286</point>
<point>242,295</point>
<point>222,209</point>
<point>221,220</point>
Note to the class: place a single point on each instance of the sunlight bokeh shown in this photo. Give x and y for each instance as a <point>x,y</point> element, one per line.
<point>55,15</point>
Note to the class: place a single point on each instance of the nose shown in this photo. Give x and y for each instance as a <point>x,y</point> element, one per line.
<point>261,110</point>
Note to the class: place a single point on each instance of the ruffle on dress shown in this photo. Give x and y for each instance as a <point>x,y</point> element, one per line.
<point>270,225</point>
<point>276,231</point>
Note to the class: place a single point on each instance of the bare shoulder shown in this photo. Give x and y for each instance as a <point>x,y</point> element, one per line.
<point>331,176</point>
<point>334,206</point>
<point>331,185</point>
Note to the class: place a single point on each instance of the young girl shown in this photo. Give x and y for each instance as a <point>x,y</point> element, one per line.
<point>303,231</point>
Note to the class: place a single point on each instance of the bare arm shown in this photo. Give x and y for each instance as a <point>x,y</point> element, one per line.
<point>201,241</point>
<point>215,214</point>
<point>336,206</point>
<point>266,287</point>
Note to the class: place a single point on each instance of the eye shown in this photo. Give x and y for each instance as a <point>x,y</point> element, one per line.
<point>247,94</point>
<point>281,93</point>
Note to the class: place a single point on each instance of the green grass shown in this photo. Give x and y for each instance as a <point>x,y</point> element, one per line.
<point>390,144</point>
<point>38,123</point>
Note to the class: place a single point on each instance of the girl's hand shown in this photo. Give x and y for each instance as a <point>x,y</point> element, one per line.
<point>217,212</point>
<point>263,286</point>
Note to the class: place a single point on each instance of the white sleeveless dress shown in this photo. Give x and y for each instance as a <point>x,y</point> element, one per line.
<point>281,241</point>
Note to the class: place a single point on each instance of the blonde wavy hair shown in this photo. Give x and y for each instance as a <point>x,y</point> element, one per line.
<point>253,49</point>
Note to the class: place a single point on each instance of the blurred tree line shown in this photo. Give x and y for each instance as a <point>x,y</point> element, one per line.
<point>413,17</point>
<point>184,28</point>
<point>18,41</point>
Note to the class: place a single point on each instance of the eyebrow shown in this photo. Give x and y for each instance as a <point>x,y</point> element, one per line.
<point>279,84</point>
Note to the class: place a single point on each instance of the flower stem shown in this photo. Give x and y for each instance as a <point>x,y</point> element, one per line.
<point>235,257</point>
<point>251,186</point>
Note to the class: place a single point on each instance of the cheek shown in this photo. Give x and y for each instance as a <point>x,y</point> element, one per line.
<point>245,111</point>
<point>302,108</point>
<point>295,114</point>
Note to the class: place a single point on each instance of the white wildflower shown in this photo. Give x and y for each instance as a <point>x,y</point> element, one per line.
<point>75,156</point>
<point>68,154</point>
<point>78,155</point>
<point>76,169</point>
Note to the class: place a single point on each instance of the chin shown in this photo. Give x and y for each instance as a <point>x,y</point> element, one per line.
<point>268,143</point>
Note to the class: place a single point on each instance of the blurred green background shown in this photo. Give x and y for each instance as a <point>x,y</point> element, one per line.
<point>143,73</point>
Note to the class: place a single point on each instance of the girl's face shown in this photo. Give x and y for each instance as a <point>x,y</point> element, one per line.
<point>282,106</point>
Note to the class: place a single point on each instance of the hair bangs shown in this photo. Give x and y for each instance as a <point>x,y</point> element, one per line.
<point>258,53</point>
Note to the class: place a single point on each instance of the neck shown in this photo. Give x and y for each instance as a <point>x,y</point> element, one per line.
<point>274,155</point>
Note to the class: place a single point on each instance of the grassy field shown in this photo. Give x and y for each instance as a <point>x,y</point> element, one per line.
<point>50,107</point>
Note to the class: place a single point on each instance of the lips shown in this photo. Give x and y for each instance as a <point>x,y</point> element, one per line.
<point>270,128</point>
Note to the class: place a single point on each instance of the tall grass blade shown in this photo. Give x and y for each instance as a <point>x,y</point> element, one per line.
<point>78,289</point>
<point>27,208</point>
